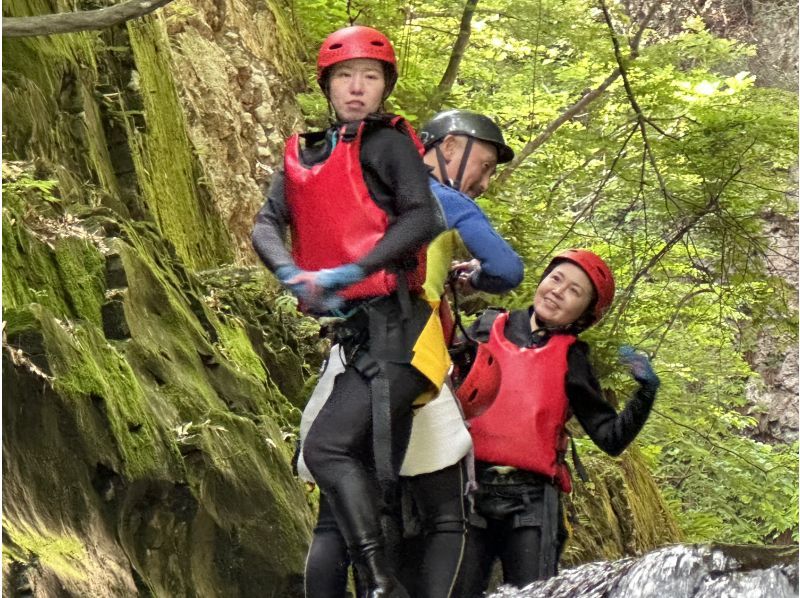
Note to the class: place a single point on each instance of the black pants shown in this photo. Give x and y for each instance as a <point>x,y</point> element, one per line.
<point>339,448</point>
<point>328,561</point>
<point>339,443</point>
<point>511,517</point>
<point>432,559</point>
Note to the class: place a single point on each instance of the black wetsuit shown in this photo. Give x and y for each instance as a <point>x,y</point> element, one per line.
<point>378,338</point>
<point>514,509</point>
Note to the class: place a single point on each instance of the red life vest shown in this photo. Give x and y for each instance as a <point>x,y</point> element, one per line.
<point>525,426</point>
<point>334,219</point>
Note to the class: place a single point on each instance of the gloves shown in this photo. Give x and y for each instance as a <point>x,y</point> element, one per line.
<point>284,273</point>
<point>333,279</point>
<point>640,367</point>
<point>317,290</point>
<point>295,280</point>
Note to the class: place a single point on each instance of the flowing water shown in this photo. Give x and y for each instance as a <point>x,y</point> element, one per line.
<point>681,571</point>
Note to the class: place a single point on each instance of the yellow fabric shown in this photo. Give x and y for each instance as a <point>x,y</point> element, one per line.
<point>440,254</point>
<point>425,398</point>
<point>430,351</point>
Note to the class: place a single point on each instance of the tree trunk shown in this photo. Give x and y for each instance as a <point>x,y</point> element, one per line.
<point>449,77</point>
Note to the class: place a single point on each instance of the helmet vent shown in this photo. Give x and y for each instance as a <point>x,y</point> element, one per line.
<point>377,43</point>
<point>335,46</point>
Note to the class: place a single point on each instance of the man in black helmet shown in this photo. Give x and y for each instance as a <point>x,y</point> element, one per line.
<point>463,149</point>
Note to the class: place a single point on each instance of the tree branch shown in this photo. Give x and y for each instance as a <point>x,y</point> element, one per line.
<point>533,144</point>
<point>72,22</point>
<point>450,73</point>
<point>707,438</point>
<point>688,224</point>
<point>675,313</point>
<point>589,97</point>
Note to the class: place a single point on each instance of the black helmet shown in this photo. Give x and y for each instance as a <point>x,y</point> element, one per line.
<point>465,122</point>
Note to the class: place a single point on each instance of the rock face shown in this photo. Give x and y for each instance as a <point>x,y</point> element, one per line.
<point>237,67</point>
<point>145,448</point>
<point>774,394</point>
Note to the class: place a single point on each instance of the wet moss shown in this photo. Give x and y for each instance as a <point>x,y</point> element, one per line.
<point>30,270</point>
<point>94,375</point>
<point>49,106</point>
<point>267,459</point>
<point>60,552</point>
<point>167,170</point>
<point>81,268</point>
<point>105,490</point>
<point>65,272</point>
<point>619,512</point>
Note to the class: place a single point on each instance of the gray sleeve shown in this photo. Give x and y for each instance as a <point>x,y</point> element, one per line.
<point>271,225</point>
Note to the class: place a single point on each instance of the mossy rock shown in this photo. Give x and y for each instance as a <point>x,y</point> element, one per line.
<point>154,462</point>
<point>619,512</point>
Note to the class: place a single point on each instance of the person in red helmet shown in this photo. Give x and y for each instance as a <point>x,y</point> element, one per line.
<point>356,200</point>
<point>520,440</point>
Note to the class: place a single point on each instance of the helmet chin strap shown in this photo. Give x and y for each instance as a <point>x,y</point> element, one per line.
<point>455,184</point>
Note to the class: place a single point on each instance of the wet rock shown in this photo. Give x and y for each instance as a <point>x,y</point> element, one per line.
<point>682,571</point>
<point>115,326</point>
<point>115,272</point>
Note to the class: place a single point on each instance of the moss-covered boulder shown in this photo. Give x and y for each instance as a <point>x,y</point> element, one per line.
<point>619,512</point>
<point>145,447</point>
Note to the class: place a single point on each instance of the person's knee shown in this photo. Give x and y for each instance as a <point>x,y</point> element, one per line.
<point>446,525</point>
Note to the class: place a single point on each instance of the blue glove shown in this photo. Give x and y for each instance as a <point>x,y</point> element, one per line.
<point>640,367</point>
<point>334,279</point>
<point>286,274</point>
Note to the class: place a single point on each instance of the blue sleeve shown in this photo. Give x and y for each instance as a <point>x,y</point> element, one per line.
<point>501,267</point>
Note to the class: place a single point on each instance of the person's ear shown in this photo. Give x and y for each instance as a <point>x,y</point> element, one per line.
<point>450,147</point>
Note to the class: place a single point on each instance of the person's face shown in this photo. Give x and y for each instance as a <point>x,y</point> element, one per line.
<point>563,296</point>
<point>481,163</point>
<point>356,88</point>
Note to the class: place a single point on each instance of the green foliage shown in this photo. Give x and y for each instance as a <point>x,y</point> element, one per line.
<point>670,179</point>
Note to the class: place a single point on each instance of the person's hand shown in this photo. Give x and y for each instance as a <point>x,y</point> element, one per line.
<point>317,290</point>
<point>334,279</point>
<point>462,273</point>
<point>287,275</point>
<point>639,365</point>
<point>300,283</point>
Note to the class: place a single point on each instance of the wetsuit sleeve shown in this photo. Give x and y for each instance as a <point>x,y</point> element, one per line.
<point>609,430</point>
<point>390,160</point>
<point>272,222</point>
<point>501,267</point>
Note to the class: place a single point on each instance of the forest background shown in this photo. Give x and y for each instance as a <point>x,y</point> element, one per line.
<point>642,132</point>
<point>662,135</point>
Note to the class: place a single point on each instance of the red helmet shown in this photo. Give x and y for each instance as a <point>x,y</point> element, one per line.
<point>356,41</point>
<point>597,271</point>
<point>479,389</point>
